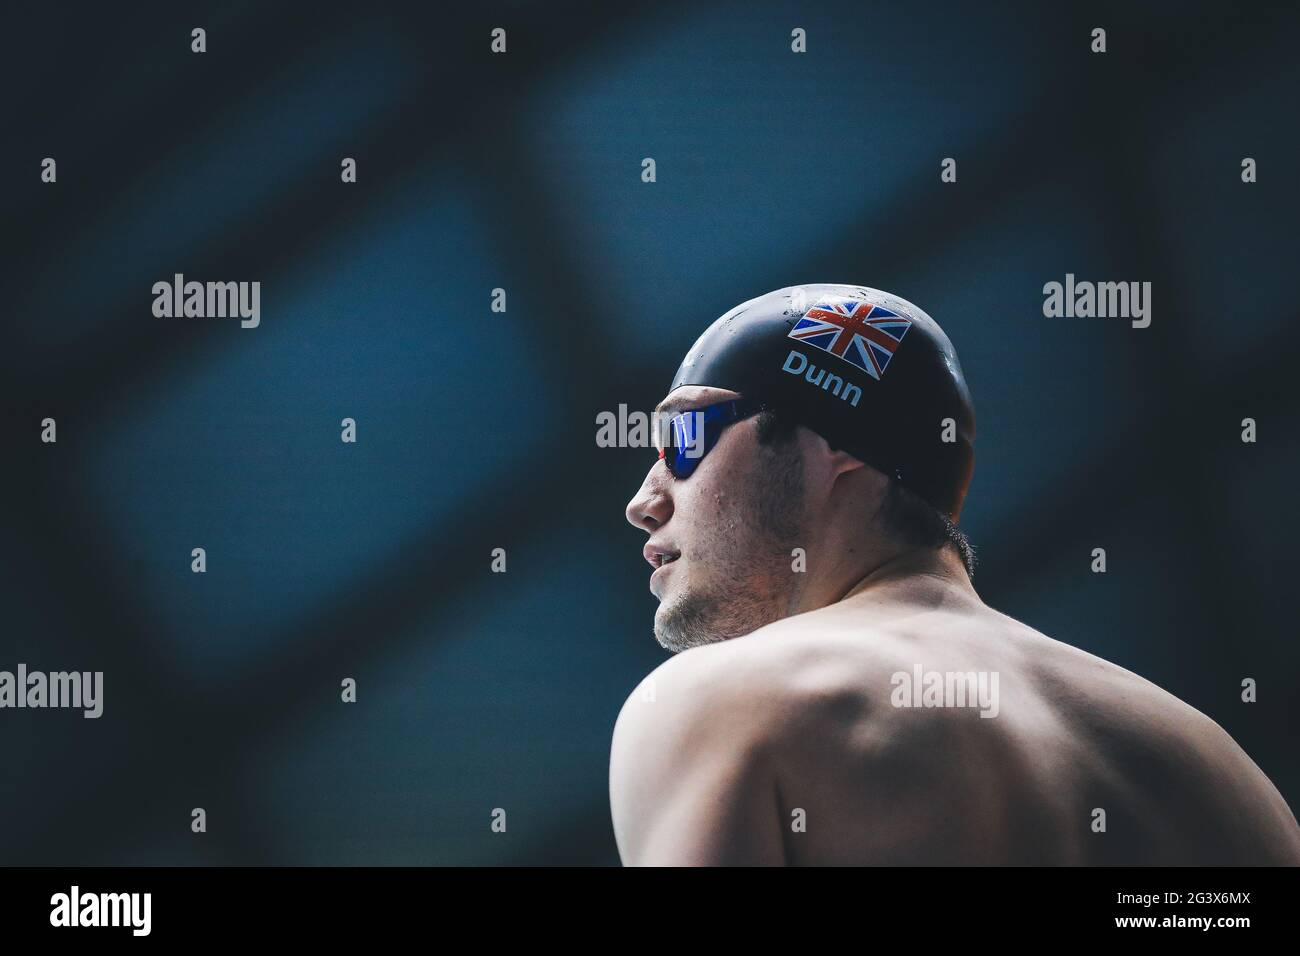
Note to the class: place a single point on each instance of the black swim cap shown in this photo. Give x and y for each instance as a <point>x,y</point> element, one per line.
<point>869,372</point>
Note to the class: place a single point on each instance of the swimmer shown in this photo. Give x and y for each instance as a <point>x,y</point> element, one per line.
<point>840,694</point>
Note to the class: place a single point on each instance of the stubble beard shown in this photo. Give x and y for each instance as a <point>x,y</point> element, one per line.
<point>749,559</point>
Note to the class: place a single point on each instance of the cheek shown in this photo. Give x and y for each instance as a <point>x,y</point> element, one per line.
<point>711,504</point>
<point>718,532</point>
<point>721,481</point>
<point>699,510</point>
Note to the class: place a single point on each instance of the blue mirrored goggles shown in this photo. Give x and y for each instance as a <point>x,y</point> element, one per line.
<point>692,434</point>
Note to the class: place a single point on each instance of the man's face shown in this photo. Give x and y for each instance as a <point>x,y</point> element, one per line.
<point>721,539</point>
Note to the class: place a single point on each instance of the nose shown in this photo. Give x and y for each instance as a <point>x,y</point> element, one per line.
<point>651,506</point>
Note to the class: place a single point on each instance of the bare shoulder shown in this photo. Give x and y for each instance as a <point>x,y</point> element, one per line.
<point>720,703</point>
<point>800,686</point>
<point>786,682</point>
<point>690,774</point>
<point>702,744</point>
<point>758,688</point>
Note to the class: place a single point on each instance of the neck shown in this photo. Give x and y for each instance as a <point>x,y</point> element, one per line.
<point>918,575</point>
<point>913,572</point>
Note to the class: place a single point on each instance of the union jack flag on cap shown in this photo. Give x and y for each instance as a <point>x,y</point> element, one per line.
<point>859,332</point>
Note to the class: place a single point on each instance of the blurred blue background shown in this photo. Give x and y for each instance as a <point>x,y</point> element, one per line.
<point>476,430</point>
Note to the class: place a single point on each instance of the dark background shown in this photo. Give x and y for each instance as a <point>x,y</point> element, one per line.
<point>477,430</point>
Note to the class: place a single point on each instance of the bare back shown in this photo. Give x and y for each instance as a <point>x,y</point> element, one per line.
<point>832,738</point>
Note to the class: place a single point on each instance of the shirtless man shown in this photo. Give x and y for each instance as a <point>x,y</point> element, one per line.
<point>842,695</point>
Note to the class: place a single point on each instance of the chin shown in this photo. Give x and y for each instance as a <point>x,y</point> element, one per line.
<point>667,625</point>
<point>686,619</point>
<point>665,634</point>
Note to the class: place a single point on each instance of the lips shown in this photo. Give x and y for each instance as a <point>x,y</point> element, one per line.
<point>660,555</point>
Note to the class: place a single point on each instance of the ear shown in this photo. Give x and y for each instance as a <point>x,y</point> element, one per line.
<point>837,461</point>
<point>842,462</point>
